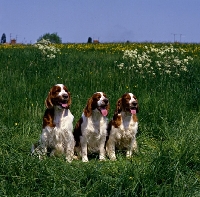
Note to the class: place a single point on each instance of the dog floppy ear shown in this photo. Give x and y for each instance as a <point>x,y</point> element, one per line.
<point>48,102</point>
<point>108,107</point>
<point>118,106</point>
<point>88,108</point>
<point>116,121</point>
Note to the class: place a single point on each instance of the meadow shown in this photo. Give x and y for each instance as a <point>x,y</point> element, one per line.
<point>165,79</point>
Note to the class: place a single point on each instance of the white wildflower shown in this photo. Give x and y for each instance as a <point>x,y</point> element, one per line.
<point>140,65</point>
<point>165,60</point>
<point>47,49</point>
<point>121,65</point>
<point>168,71</point>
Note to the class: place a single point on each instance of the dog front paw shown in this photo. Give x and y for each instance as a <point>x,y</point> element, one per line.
<point>113,158</point>
<point>102,158</point>
<point>84,159</point>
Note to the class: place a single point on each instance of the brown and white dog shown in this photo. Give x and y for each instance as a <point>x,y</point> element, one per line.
<point>122,129</point>
<point>90,131</point>
<point>57,133</point>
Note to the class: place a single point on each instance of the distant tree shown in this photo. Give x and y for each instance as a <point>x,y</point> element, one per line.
<point>89,40</point>
<point>53,38</point>
<point>3,38</point>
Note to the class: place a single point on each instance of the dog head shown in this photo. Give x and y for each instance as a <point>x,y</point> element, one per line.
<point>99,103</point>
<point>127,103</point>
<point>59,97</point>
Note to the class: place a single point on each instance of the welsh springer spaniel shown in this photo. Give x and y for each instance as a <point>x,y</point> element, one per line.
<point>122,129</point>
<point>57,134</point>
<point>90,131</point>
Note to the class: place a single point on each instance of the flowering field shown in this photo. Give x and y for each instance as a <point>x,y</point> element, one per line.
<point>165,79</point>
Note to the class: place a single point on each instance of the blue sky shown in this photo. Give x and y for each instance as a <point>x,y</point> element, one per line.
<point>106,20</point>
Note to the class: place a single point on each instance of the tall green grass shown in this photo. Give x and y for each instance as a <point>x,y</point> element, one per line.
<point>168,162</point>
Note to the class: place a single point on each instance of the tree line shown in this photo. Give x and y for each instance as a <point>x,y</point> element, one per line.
<point>53,38</point>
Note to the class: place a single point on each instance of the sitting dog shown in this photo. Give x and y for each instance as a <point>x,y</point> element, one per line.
<point>122,129</point>
<point>57,134</point>
<point>90,131</point>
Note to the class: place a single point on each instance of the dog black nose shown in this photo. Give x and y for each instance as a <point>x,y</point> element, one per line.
<point>65,96</point>
<point>134,103</point>
<point>105,101</point>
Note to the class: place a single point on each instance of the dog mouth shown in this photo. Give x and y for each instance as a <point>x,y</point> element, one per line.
<point>63,104</point>
<point>132,110</point>
<point>103,110</point>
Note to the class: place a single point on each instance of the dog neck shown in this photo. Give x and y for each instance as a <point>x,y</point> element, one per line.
<point>59,114</point>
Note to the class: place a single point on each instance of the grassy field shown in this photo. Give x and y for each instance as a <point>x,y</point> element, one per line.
<point>165,79</point>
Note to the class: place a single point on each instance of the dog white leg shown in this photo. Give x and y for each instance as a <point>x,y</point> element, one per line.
<point>110,148</point>
<point>102,149</point>
<point>133,147</point>
<point>83,142</point>
<point>69,155</point>
<point>70,152</point>
<point>43,145</point>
